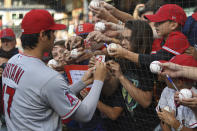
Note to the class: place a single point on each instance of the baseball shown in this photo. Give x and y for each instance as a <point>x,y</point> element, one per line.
<point>167,108</point>
<point>185,93</point>
<point>111,46</point>
<point>74,53</point>
<point>99,26</point>
<point>154,67</point>
<point>52,63</point>
<point>94,3</point>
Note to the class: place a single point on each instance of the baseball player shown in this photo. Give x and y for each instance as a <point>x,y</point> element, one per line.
<point>37,97</point>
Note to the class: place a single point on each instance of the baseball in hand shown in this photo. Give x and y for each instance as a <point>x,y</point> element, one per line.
<point>155,67</point>
<point>95,3</point>
<point>111,46</point>
<point>185,93</point>
<point>99,26</point>
<point>52,63</point>
<point>167,108</point>
<point>74,53</point>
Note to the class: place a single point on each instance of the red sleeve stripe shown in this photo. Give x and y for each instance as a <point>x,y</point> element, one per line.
<point>65,116</point>
<point>170,50</point>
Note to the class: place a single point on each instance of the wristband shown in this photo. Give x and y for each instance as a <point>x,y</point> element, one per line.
<point>180,127</point>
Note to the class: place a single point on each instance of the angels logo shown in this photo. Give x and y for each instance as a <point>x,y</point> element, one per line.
<point>70,98</point>
<point>80,28</point>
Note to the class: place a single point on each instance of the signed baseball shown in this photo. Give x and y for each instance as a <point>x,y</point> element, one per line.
<point>52,63</point>
<point>111,46</point>
<point>74,53</point>
<point>185,93</point>
<point>99,26</point>
<point>167,108</point>
<point>155,67</point>
<point>95,3</point>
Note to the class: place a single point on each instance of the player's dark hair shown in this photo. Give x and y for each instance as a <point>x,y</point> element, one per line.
<point>29,41</point>
<point>142,36</point>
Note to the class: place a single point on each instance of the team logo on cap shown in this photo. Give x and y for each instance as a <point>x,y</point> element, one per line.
<point>80,28</point>
<point>4,33</point>
<point>173,17</point>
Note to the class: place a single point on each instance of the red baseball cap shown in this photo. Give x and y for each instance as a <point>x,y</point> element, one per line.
<point>194,16</point>
<point>37,19</point>
<point>7,34</point>
<point>84,29</point>
<point>169,12</point>
<point>183,59</point>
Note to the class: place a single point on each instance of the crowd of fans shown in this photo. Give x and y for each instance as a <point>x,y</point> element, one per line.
<point>131,97</point>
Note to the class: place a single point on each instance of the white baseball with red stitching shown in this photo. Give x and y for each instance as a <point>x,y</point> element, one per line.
<point>155,67</point>
<point>185,93</point>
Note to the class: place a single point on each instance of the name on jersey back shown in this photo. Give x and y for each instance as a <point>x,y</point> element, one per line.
<point>13,72</point>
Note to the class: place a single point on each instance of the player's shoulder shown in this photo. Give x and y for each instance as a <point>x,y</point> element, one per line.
<point>33,66</point>
<point>14,58</point>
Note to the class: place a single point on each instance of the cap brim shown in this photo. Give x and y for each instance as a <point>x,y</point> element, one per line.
<point>155,18</point>
<point>163,61</point>
<point>8,38</point>
<point>58,27</point>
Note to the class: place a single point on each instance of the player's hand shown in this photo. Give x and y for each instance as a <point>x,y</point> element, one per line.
<point>101,71</point>
<point>84,93</point>
<point>118,52</point>
<point>167,117</point>
<point>115,68</point>
<point>88,76</point>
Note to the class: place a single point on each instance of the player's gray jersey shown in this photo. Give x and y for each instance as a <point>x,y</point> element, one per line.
<point>35,96</point>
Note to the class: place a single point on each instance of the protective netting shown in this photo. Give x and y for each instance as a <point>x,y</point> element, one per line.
<point>124,105</point>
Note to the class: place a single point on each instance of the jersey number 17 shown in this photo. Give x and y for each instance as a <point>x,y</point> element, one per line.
<point>10,91</point>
